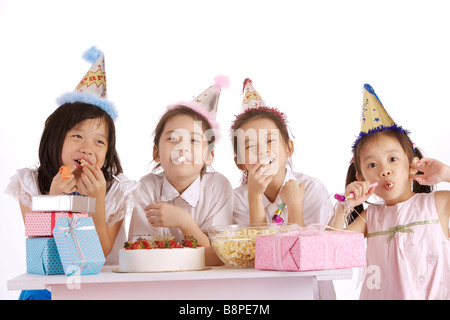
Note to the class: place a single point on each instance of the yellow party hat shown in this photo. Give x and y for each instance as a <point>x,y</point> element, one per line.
<point>374,117</point>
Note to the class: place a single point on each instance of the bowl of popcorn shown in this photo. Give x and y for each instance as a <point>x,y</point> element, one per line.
<point>235,244</point>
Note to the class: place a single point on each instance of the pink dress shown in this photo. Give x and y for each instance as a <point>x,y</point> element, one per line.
<point>408,255</point>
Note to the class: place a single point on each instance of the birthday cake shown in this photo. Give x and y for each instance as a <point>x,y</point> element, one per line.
<point>161,254</point>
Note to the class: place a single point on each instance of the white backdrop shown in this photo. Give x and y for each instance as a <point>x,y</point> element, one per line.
<point>308,58</point>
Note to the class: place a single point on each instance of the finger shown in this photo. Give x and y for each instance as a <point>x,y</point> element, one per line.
<point>255,168</point>
<point>90,171</point>
<point>153,214</point>
<point>71,183</point>
<point>418,178</point>
<point>155,221</point>
<point>302,185</point>
<point>86,180</point>
<point>156,205</point>
<point>267,180</point>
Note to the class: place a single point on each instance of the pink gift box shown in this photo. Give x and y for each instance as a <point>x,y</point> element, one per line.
<point>310,249</point>
<point>41,224</point>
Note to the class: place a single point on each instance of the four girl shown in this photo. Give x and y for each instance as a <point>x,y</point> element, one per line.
<point>407,235</point>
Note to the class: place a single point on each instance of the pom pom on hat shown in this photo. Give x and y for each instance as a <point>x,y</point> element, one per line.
<point>92,54</point>
<point>221,81</point>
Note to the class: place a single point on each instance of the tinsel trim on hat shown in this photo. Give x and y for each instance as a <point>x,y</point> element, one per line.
<point>271,109</point>
<point>89,98</point>
<point>393,127</point>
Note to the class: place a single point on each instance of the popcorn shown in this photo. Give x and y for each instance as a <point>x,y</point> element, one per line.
<point>238,249</point>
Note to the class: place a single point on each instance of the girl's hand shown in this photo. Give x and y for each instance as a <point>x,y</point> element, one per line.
<point>433,170</point>
<point>361,190</point>
<point>293,193</point>
<point>162,214</point>
<point>257,180</point>
<point>58,186</point>
<point>92,182</point>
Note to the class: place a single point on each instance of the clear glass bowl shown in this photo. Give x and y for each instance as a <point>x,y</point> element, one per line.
<point>235,244</point>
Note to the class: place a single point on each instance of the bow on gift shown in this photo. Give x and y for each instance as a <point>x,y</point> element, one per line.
<point>401,228</point>
<point>68,232</point>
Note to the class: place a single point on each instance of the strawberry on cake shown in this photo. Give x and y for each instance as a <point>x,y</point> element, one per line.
<point>161,254</point>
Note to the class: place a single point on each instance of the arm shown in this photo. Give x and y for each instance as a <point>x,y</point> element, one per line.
<point>163,214</point>
<point>93,184</point>
<point>435,172</point>
<point>293,195</point>
<point>257,184</point>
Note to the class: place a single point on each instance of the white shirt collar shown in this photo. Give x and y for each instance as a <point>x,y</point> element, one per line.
<point>191,195</point>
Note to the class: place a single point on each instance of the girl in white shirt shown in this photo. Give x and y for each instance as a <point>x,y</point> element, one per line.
<point>184,199</point>
<point>262,150</point>
<point>268,181</point>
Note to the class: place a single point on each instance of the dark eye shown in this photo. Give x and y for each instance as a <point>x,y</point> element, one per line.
<point>393,159</point>
<point>372,165</point>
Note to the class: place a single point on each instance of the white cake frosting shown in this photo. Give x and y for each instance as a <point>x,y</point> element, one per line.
<point>160,260</point>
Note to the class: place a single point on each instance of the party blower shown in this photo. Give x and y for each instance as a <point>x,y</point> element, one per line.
<point>276,216</point>
<point>351,195</point>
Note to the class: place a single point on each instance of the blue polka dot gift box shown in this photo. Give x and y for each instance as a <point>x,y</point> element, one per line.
<point>78,246</point>
<point>43,257</point>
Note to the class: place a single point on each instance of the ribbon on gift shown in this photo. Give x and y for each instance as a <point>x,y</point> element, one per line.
<point>280,257</point>
<point>401,228</point>
<point>53,220</point>
<point>68,232</point>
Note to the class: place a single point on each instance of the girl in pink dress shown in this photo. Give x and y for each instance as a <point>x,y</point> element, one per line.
<point>408,251</point>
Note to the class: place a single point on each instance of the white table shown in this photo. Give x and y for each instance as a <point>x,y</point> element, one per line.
<point>218,283</point>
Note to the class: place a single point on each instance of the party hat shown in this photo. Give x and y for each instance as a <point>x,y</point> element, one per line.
<point>209,99</point>
<point>374,117</point>
<point>92,87</point>
<point>252,99</point>
<point>207,102</point>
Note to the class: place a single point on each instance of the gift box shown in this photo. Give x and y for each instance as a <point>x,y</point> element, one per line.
<point>41,224</point>
<point>78,246</point>
<point>42,256</point>
<point>310,248</point>
<point>73,203</point>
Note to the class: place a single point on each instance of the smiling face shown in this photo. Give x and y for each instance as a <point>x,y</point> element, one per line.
<point>383,160</point>
<point>86,141</point>
<point>259,141</point>
<point>182,149</point>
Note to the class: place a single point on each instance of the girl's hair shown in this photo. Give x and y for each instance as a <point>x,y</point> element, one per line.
<point>183,110</point>
<point>56,127</point>
<point>256,113</point>
<point>355,165</point>
<point>273,114</point>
